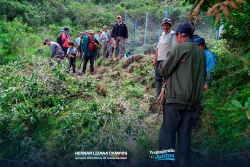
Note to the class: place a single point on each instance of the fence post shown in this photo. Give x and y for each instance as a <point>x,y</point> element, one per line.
<point>145,35</point>
<point>125,19</point>
<point>166,12</point>
<point>217,36</point>
<point>135,25</point>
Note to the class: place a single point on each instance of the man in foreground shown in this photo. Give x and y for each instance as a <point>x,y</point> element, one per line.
<point>185,70</point>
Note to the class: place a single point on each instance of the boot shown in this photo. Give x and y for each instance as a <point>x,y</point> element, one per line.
<point>158,87</point>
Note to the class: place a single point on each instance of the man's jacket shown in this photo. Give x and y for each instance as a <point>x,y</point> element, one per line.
<point>84,45</point>
<point>124,30</point>
<point>185,79</point>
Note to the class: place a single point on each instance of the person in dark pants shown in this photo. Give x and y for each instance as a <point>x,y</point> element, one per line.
<point>185,70</point>
<point>71,53</point>
<point>119,33</point>
<point>166,42</point>
<point>89,45</point>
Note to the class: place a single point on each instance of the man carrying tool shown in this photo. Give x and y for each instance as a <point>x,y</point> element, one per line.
<point>166,42</point>
<point>185,70</point>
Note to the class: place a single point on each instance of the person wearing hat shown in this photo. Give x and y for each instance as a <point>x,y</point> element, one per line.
<point>120,35</point>
<point>185,71</point>
<point>87,32</point>
<point>210,58</point>
<point>166,42</point>
<point>105,40</point>
<point>77,41</point>
<point>55,50</point>
<point>65,39</point>
<point>89,45</point>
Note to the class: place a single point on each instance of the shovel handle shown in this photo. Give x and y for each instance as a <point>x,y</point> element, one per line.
<point>160,99</point>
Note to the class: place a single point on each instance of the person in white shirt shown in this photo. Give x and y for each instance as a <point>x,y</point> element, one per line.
<point>106,43</point>
<point>77,41</point>
<point>166,42</point>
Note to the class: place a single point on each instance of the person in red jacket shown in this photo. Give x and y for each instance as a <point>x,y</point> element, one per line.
<point>65,38</point>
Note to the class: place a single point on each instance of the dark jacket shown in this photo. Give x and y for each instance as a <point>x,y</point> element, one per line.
<point>124,31</point>
<point>185,80</point>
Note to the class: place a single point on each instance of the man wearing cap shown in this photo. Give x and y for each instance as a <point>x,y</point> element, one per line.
<point>89,44</point>
<point>166,42</point>
<point>105,39</point>
<point>185,70</point>
<point>55,50</point>
<point>120,35</point>
<point>77,41</point>
<point>65,39</point>
<point>210,59</point>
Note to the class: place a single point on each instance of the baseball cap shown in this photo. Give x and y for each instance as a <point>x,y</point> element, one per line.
<point>66,28</point>
<point>81,32</point>
<point>166,20</point>
<point>199,41</point>
<point>46,40</point>
<point>185,28</point>
<point>118,17</point>
<point>62,29</point>
<point>105,26</point>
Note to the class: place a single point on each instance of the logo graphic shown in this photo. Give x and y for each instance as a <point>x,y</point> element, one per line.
<point>162,155</point>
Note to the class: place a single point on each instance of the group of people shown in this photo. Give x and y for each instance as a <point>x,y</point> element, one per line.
<point>88,45</point>
<point>183,62</point>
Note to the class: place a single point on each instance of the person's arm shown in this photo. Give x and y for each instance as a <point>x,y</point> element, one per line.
<point>82,44</point>
<point>53,50</point>
<point>155,59</point>
<point>97,43</point>
<point>64,38</point>
<point>167,67</point>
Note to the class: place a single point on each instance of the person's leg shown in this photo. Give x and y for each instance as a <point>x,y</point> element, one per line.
<point>74,65</point>
<point>85,64</point>
<point>109,49</point>
<point>171,119</point>
<point>122,45</point>
<point>92,61</point>
<point>104,49</point>
<point>184,133</point>
<point>158,79</point>
<point>116,47</point>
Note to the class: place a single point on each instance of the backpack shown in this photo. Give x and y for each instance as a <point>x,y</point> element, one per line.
<point>59,39</point>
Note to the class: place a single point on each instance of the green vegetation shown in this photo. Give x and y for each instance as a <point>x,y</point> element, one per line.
<point>46,114</point>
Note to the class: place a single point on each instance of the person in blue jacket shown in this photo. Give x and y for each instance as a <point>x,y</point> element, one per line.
<point>88,45</point>
<point>210,58</point>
